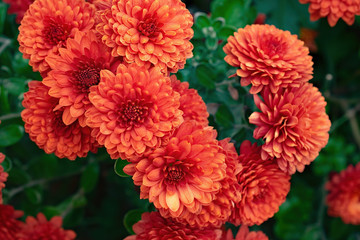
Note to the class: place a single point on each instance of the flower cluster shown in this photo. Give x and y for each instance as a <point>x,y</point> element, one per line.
<point>292,121</point>
<point>106,82</point>
<point>333,10</point>
<point>344,195</point>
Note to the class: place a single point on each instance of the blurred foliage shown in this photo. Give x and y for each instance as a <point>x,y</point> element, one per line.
<point>94,200</point>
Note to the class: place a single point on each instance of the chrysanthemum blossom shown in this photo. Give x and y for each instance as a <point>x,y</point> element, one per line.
<point>268,57</point>
<point>343,199</point>
<point>263,187</point>
<point>46,26</point>
<point>150,32</point>
<point>74,70</point>
<point>18,7</point>
<point>183,176</point>
<point>294,125</point>
<point>191,103</point>
<point>153,226</point>
<point>133,111</point>
<point>333,10</point>
<point>40,228</point>
<point>219,210</point>
<point>245,234</point>
<point>3,176</point>
<point>46,128</point>
<point>9,225</point>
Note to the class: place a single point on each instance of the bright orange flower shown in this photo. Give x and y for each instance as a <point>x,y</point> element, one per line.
<point>191,103</point>
<point>268,57</point>
<point>151,32</point>
<point>153,226</point>
<point>133,111</point>
<point>74,70</point>
<point>18,7</point>
<point>46,26</point>
<point>245,234</point>
<point>263,187</point>
<point>294,125</point>
<point>40,228</point>
<point>46,128</point>
<point>9,225</point>
<point>183,176</point>
<point>344,195</point>
<point>3,177</point>
<point>218,211</point>
<point>333,10</point>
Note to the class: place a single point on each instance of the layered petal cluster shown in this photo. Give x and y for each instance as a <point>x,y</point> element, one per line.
<point>74,70</point>
<point>219,210</point>
<point>46,128</point>
<point>3,176</point>
<point>333,10</point>
<point>9,225</point>
<point>133,111</point>
<point>46,26</point>
<point>294,125</point>
<point>191,103</point>
<point>153,226</point>
<point>184,176</point>
<point>245,234</point>
<point>268,57</point>
<point>18,7</point>
<point>151,32</point>
<point>263,187</point>
<point>344,195</point>
<point>40,228</point>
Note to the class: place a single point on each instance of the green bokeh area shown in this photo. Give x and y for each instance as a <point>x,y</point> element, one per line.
<point>99,201</point>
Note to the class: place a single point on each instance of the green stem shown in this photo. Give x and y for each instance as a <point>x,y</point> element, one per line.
<point>10,116</point>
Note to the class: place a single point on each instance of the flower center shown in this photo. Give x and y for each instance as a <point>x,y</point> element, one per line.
<point>149,27</point>
<point>174,174</point>
<point>274,46</point>
<point>87,76</point>
<point>133,112</point>
<point>55,32</point>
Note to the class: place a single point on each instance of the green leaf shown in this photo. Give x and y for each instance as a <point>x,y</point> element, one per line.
<point>15,86</point>
<point>119,167</point>
<point>3,8</point>
<point>132,217</point>
<point>33,195</point>
<point>7,164</point>
<point>218,23</point>
<point>206,76</point>
<point>51,211</point>
<point>90,177</point>
<point>10,134</point>
<point>225,32</point>
<point>211,43</point>
<point>224,116</point>
<point>201,20</point>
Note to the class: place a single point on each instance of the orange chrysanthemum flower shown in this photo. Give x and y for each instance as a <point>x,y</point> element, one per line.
<point>18,7</point>
<point>268,57</point>
<point>9,225</point>
<point>244,234</point>
<point>74,70</point>
<point>263,187</point>
<point>153,226</point>
<point>344,195</point>
<point>133,111</point>
<point>183,176</point>
<point>191,103</point>
<point>333,10</point>
<point>46,26</point>
<point>294,125</point>
<point>40,228</point>
<point>3,176</point>
<point>151,32</point>
<point>46,128</point>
